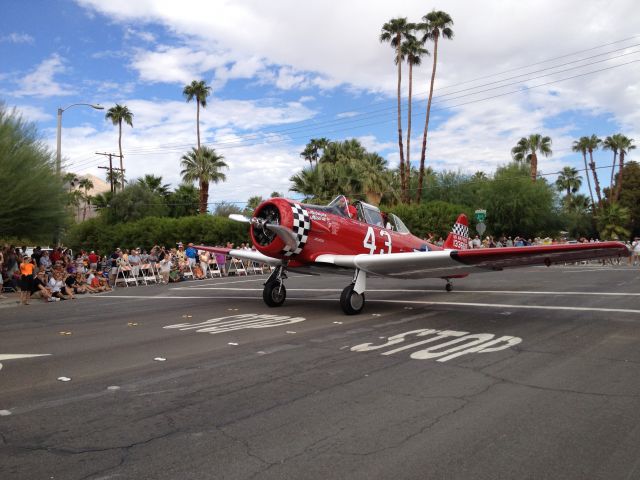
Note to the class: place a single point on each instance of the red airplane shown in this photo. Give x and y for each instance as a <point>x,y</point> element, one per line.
<point>360,239</point>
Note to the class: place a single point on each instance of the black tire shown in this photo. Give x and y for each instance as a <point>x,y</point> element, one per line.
<point>448,287</point>
<point>351,302</point>
<point>274,294</point>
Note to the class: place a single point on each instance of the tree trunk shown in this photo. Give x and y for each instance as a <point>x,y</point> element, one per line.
<point>408,160</point>
<point>619,185</point>
<point>198,121</point>
<point>586,172</point>
<point>120,147</point>
<point>403,176</point>
<point>613,169</point>
<point>596,182</point>
<point>426,122</point>
<point>204,196</point>
<point>534,166</point>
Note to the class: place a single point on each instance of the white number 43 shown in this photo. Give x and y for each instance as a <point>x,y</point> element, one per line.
<point>369,241</point>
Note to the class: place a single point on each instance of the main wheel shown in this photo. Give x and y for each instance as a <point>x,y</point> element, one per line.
<point>350,301</point>
<point>448,287</point>
<point>274,294</point>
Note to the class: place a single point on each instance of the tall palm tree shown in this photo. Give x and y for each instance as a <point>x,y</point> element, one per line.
<point>435,24</point>
<point>154,183</point>
<point>569,180</point>
<point>611,143</point>
<point>203,166</point>
<point>592,143</point>
<point>115,177</point>
<point>581,146</point>
<point>527,148</point>
<point>393,32</point>
<point>117,115</point>
<point>200,91</point>
<point>311,152</point>
<point>85,184</point>
<point>413,50</point>
<point>625,145</point>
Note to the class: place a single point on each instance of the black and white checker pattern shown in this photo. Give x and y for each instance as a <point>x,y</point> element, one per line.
<point>301,227</point>
<point>461,230</point>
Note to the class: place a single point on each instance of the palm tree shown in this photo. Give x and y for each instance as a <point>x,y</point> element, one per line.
<point>611,219</point>
<point>117,115</point>
<point>435,24</point>
<point>200,91</point>
<point>115,177</point>
<point>203,165</point>
<point>611,143</point>
<point>86,185</point>
<point>70,179</point>
<point>581,146</point>
<point>569,180</point>
<point>625,145</point>
<point>393,32</point>
<point>311,152</point>
<point>592,144</point>
<point>154,183</point>
<point>527,148</point>
<point>413,50</point>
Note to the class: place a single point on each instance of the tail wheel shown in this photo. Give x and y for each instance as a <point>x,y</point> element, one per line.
<point>274,293</point>
<point>351,302</point>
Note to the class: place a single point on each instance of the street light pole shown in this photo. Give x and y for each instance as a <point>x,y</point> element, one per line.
<point>59,135</point>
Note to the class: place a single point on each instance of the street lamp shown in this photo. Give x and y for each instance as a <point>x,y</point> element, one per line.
<point>59,140</point>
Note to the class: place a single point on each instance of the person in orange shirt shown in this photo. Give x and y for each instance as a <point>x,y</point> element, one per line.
<point>26,279</point>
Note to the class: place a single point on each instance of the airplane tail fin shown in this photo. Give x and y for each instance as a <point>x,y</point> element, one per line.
<point>458,239</point>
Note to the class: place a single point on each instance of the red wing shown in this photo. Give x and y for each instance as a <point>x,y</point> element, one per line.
<point>498,258</point>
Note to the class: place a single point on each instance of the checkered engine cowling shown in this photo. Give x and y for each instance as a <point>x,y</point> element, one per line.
<point>301,227</point>
<point>461,230</point>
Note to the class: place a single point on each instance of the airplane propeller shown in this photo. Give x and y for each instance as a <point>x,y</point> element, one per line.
<point>286,234</point>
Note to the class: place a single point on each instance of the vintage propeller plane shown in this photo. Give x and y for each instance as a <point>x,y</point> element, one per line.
<point>359,239</point>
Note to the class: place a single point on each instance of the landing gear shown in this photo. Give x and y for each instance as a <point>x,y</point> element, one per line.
<point>274,293</point>
<point>449,286</point>
<point>352,298</point>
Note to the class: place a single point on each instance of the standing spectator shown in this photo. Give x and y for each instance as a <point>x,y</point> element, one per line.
<point>636,250</point>
<point>180,254</point>
<point>192,254</point>
<point>26,279</point>
<point>204,261</point>
<point>93,260</point>
<point>114,260</point>
<point>165,267</point>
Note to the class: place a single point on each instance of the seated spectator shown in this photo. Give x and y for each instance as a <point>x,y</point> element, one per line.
<point>74,282</point>
<point>40,288</point>
<point>45,262</point>
<point>58,288</point>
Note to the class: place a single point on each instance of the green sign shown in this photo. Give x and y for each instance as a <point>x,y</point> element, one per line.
<point>481,215</point>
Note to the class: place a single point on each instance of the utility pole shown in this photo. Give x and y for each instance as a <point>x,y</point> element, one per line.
<point>111,169</point>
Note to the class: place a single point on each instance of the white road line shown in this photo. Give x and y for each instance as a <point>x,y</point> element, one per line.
<point>416,302</point>
<point>11,356</point>
<point>409,290</point>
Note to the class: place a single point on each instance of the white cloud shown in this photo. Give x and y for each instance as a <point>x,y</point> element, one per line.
<point>18,38</point>
<point>34,114</point>
<point>41,82</point>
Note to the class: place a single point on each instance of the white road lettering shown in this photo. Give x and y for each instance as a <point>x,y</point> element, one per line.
<point>463,343</point>
<point>237,322</point>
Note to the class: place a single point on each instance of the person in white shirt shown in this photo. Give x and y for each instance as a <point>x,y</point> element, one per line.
<point>636,250</point>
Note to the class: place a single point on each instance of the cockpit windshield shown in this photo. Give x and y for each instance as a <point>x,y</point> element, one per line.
<point>340,205</point>
<point>397,224</point>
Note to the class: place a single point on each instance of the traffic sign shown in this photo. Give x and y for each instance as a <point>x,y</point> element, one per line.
<point>481,216</point>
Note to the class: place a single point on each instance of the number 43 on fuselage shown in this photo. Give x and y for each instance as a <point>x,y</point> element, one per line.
<point>359,239</point>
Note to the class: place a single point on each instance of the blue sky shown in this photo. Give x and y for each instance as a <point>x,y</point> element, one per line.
<point>286,71</point>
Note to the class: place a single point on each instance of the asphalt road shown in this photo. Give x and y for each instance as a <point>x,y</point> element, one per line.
<point>529,374</point>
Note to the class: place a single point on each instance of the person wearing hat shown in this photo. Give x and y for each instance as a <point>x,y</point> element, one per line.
<point>192,254</point>
<point>26,279</point>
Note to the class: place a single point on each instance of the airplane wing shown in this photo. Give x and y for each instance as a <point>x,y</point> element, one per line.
<point>250,255</point>
<point>451,263</point>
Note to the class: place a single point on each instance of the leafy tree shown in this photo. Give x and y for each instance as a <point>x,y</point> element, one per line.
<point>630,195</point>
<point>517,206</point>
<point>154,183</point>
<point>276,194</point>
<point>527,148</point>
<point>203,166</point>
<point>435,217</point>
<point>569,181</point>
<point>183,201</point>
<point>577,217</point>
<point>625,144</point>
<point>611,219</point>
<point>200,91</point>
<point>393,32</point>
<point>435,24</point>
<point>115,177</point>
<point>117,115</point>
<point>133,203</point>
<point>33,198</point>
<point>224,209</point>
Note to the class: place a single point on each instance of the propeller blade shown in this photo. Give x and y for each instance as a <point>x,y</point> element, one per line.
<point>286,234</point>
<point>239,218</point>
